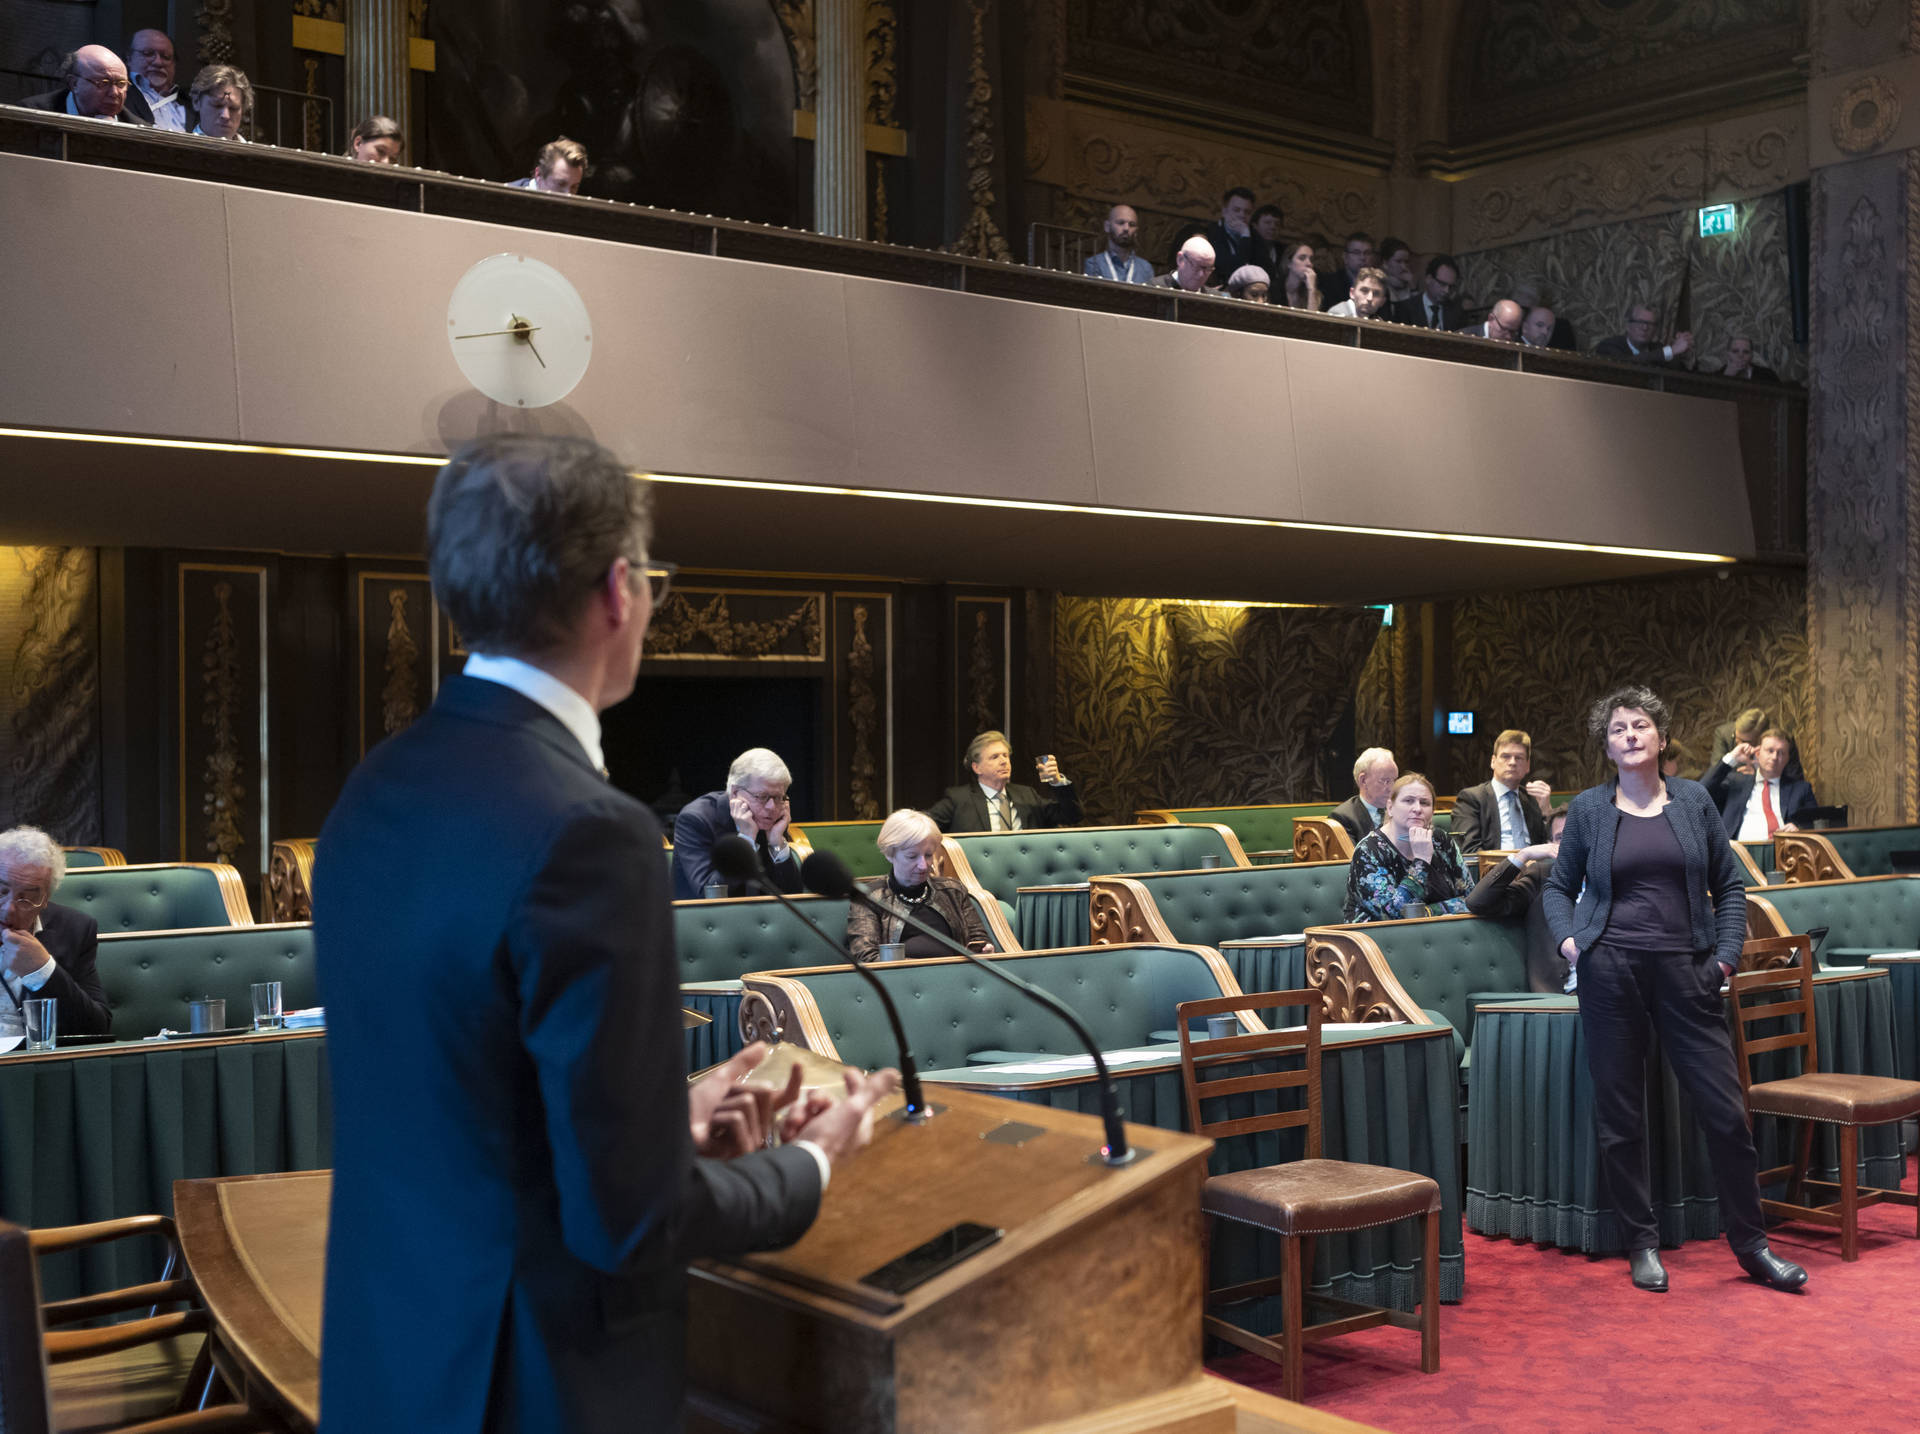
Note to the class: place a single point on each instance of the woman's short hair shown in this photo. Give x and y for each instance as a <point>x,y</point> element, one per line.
<point>903,829</point>
<point>29,846</point>
<point>1407,779</point>
<point>521,529</point>
<point>1364,763</point>
<point>1753,720</point>
<point>1634,699</point>
<point>376,127</point>
<point>214,77</point>
<point>982,742</point>
<point>757,764</point>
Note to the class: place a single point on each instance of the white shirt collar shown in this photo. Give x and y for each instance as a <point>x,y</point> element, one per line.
<point>536,684</point>
<point>152,94</point>
<point>1501,790</point>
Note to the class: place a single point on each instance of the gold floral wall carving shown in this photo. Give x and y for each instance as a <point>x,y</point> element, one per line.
<point>980,237</point>
<point>796,18</point>
<point>222,790</point>
<point>863,715</point>
<point>1709,645</point>
<point>399,704</point>
<point>50,623</point>
<point>1176,704</point>
<point>702,623</point>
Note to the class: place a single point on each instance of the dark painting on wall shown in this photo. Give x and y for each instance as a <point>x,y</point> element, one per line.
<point>682,104</point>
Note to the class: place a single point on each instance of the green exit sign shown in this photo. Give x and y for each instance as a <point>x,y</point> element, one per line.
<point>1717,219</point>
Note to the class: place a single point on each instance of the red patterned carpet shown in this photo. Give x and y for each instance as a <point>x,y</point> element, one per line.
<point>1550,1341</point>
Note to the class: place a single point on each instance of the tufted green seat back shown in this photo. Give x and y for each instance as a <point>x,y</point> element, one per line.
<point>1869,851</point>
<point>1444,960</point>
<point>146,898</point>
<point>952,1008</point>
<point>1858,915</point>
<point>1003,862</point>
<point>1238,903</point>
<point>84,858</point>
<point>150,976</point>
<point>1265,828</point>
<point>852,842</point>
<point>724,940</point>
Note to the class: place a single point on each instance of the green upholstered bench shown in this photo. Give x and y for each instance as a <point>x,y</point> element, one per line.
<point>1841,852</point>
<point>1211,907</point>
<point>852,842</point>
<point>952,1010</point>
<point>1001,864</point>
<point>1265,832</point>
<point>1761,855</point>
<point>150,976</point>
<point>164,896</point>
<point>1863,916</point>
<point>79,857</point>
<point>1431,967</point>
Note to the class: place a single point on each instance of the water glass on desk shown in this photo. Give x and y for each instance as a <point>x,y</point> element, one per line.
<point>43,1022</point>
<point>266,1006</point>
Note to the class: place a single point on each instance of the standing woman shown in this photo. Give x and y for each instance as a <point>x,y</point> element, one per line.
<point>1647,906</point>
<point>1405,861</point>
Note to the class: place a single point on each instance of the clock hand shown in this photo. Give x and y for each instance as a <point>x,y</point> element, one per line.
<point>495,333</point>
<point>528,341</point>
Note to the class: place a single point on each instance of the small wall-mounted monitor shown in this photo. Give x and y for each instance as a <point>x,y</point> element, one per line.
<point>1459,724</point>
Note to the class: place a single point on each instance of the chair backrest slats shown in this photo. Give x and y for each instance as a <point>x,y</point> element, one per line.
<point>1277,1043</point>
<point>1771,965</point>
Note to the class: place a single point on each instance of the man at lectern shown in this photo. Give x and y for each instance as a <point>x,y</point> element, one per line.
<point>519,1174</point>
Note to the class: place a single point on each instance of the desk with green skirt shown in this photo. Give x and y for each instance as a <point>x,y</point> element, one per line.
<point>1532,1162</point>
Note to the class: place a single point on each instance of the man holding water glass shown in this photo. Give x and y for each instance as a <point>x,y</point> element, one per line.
<point>994,802</point>
<point>46,952</point>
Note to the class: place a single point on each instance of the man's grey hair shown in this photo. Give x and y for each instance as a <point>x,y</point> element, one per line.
<point>982,742</point>
<point>757,764</point>
<point>521,530</point>
<point>29,846</point>
<point>1363,763</point>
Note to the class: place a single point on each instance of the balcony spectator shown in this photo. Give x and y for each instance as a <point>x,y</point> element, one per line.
<point>1536,330</point>
<point>559,169</point>
<point>221,99</point>
<point>1300,282</point>
<point>1369,298</point>
<point>1267,220</point>
<point>377,140</point>
<point>1434,307</point>
<point>1559,330</point>
<point>1638,345</point>
<point>153,96</point>
<point>1337,288</point>
<point>1192,266</point>
<point>1396,262</point>
<point>1118,260</point>
<point>1501,324</point>
<point>1249,282</point>
<point>1740,362</point>
<point>94,86</point>
<point>1232,235</point>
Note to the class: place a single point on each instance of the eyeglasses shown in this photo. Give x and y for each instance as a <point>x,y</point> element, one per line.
<point>117,86</point>
<point>20,899</point>
<point>764,799</point>
<point>660,578</point>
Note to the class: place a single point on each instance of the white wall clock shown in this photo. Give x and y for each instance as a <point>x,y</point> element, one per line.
<point>519,331</point>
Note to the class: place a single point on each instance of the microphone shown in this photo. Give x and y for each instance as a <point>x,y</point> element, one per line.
<point>734,858</point>
<point>825,874</point>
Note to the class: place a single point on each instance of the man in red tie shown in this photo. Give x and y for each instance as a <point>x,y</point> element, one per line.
<point>1755,807</point>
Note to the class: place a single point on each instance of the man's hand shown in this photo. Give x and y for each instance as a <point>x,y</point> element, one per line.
<point>1421,840</point>
<point>1048,769</point>
<point>1542,795</point>
<point>842,1127</point>
<point>1682,341</point>
<point>1742,756</point>
<point>741,811</point>
<point>21,953</point>
<point>777,833</point>
<point>1539,851</point>
<point>1786,827</point>
<point>728,1117</point>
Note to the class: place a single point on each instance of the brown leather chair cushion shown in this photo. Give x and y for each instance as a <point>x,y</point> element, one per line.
<point>1841,1099</point>
<point>1317,1197</point>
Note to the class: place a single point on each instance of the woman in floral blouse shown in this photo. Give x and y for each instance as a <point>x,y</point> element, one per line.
<point>1405,860</point>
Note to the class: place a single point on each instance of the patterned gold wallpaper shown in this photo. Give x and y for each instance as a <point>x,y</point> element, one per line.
<point>50,684</point>
<point>1191,704</point>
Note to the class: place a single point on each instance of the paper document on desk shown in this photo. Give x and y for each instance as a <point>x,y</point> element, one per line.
<point>1070,1065</point>
<point>7,1043</point>
<point>306,1020</point>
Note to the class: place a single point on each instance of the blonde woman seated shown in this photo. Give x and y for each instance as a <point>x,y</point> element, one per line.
<point>1404,862</point>
<point>911,842</point>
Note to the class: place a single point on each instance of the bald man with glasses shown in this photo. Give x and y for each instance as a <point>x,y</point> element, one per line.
<point>96,88</point>
<point>46,951</point>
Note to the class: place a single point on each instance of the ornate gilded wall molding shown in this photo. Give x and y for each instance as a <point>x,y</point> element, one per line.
<point>883,78</point>
<point>796,18</point>
<point>980,236</point>
<point>52,735</point>
<point>863,715</point>
<point>399,704</point>
<point>214,19</point>
<point>781,630</point>
<point>222,790</point>
<point>1864,114</point>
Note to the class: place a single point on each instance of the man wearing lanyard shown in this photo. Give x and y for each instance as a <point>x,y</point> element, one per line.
<point>1117,260</point>
<point>46,951</point>
<point>153,96</point>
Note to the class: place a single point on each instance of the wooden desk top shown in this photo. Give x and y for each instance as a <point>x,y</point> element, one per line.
<point>257,1247</point>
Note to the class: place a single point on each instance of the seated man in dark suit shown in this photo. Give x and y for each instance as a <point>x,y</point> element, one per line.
<point>96,87</point>
<point>1434,307</point>
<point>1503,814</point>
<point>1232,234</point>
<point>1756,806</point>
<point>1513,888</point>
<point>1746,727</point>
<point>46,951</point>
<point>1192,266</point>
<point>1638,345</point>
<point>1337,287</point>
<point>1374,773</point>
<point>521,1171</point>
<point>991,803</point>
<point>1502,323</point>
<point>754,805</point>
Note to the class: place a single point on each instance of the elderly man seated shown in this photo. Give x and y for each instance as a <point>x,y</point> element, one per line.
<point>46,951</point>
<point>95,87</point>
<point>1192,267</point>
<point>753,805</point>
<point>994,802</point>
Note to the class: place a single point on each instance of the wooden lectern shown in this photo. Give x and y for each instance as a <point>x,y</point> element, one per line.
<point>1085,1314</point>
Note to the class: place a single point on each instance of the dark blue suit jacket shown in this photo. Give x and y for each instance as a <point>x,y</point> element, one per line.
<point>1733,790</point>
<point>514,1191</point>
<point>72,938</point>
<point>701,823</point>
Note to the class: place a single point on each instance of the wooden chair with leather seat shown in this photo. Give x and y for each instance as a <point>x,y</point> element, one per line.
<point>1776,976</point>
<point>28,1348</point>
<point>1297,1200</point>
